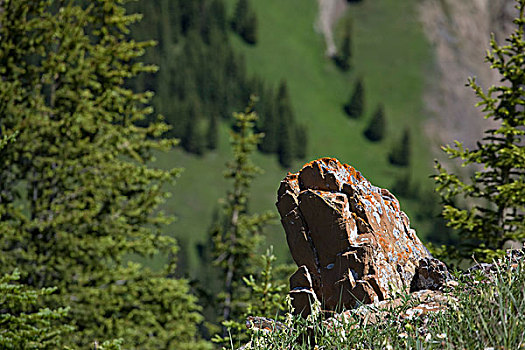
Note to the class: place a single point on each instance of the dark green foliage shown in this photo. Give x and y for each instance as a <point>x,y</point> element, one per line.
<point>77,199</point>
<point>22,324</point>
<point>301,141</point>
<point>285,127</point>
<point>489,208</point>
<point>403,187</point>
<point>239,14</point>
<point>198,66</point>
<point>400,153</point>
<point>218,15</point>
<point>344,56</point>
<point>200,75</point>
<point>212,134</point>
<point>267,113</point>
<point>355,106</point>
<point>249,34</point>
<point>195,57</point>
<point>244,22</point>
<point>282,133</point>
<point>193,139</point>
<point>286,151</point>
<point>236,235</point>
<point>377,127</point>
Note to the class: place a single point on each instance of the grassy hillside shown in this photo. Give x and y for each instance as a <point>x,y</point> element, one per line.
<point>390,53</point>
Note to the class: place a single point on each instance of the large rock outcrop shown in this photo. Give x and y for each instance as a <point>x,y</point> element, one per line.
<point>350,239</point>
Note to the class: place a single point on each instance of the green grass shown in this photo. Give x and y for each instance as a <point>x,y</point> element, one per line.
<point>390,52</point>
<point>482,313</point>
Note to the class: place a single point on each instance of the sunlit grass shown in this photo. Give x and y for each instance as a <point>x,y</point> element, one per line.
<point>482,313</point>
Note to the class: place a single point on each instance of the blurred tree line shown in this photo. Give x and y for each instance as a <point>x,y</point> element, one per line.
<point>202,81</point>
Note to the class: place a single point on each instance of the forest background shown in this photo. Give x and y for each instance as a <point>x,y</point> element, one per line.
<point>207,71</point>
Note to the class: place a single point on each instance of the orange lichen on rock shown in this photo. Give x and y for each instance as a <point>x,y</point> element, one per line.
<point>349,236</point>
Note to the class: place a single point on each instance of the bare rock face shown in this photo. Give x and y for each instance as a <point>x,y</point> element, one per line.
<point>431,274</point>
<point>350,239</point>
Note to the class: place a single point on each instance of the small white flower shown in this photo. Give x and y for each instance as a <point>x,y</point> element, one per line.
<point>441,335</point>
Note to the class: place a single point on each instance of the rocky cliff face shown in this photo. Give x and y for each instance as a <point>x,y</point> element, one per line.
<point>350,239</point>
<point>459,32</point>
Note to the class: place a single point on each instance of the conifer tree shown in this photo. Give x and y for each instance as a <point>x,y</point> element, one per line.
<point>355,106</point>
<point>193,138</point>
<point>22,326</point>
<point>377,126</point>
<point>249,33</point>
<point>75,189</point>
<point>494,207</point>
<point>236,237</point>
<point>244,22</point>
<point>285,128</point>
<point>190,14</point>
<point>400,153</point>
<point>212,135</point>
<point>301,141</point>
<point>264,296</point>
<point>267,118</point>
<point>342,59</point>
<point>218,14</point>
<point>239,15</point>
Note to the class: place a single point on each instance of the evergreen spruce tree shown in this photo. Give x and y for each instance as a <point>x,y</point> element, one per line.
<point>218,14</point>
<point>402,186</point>
<point>267,293</point>
<point>244,22</point>
<point>493,211</point>
<point>400,153</point>
<point>301,141</point>
<point>212,135</point>
<point>75,188</point>
<point>196,60</point>
<point>285,132</point>
<point>342,59</point>
<point>249,32</point>
<point>355,106</point>
<point>190,14</point>
<point>193,138</point>
<point>236,237</point>
<point>267,120</point>
<point>377,126</point>
<point>22,325</point>
<point>239,15</point>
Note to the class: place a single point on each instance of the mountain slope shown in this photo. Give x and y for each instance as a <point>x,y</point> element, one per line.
<point>390,53</point>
